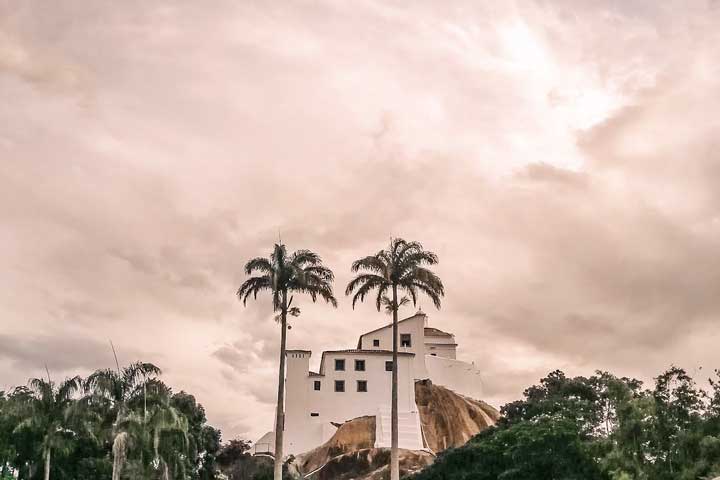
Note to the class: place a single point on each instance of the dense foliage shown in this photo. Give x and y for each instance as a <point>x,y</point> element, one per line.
<point>596,428</point>
<point>124,424</point>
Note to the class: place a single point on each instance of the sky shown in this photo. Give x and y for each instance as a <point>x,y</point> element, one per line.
<point>562,158</point>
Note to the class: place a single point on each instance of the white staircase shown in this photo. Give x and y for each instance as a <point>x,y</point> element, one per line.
<point>409,434</point>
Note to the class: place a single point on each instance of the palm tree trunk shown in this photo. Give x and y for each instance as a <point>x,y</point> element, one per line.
<point>280,410</point>
<point>119,449</point>
<point>47,464</point>
<point>394,454</point>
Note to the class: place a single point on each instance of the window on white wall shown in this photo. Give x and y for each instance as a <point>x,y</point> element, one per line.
<point>362,385</point>
<point>317,385</point>
<point>388,366</point>
<point>405,340</point>
<point>339,364</point>
<point>376,342</point>
<point>339,385</point>
<point>359,365</point>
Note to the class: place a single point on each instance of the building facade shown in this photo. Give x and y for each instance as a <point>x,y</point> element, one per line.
<point>357,382</point>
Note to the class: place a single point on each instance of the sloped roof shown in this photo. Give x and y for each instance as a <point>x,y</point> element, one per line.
<point>436,332</point>
<point>418,314</point>
<point>367,351</point>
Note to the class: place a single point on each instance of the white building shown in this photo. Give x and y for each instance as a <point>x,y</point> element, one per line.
<point>357,382</point>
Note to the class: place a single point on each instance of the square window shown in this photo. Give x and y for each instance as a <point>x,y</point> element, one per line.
<point>359,365</point>
<point>316,385</point>
<point>339,364</point>
<point>405,340</point>
<point>376,343</point>
<point>388,366</point>
<point>362,385</point>
<point>339,385</point>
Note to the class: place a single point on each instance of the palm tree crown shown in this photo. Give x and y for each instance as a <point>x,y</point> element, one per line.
<point>301,272</point>
<point>50,411</point>
<point>403,265</point>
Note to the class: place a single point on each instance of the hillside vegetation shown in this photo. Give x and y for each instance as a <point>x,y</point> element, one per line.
<point>596,428</point>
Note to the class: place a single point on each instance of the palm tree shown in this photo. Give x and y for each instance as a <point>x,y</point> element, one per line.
<point>156,429</point>
<point>400,267</point>
<point>281,275</point>
<point>49,412</point>
<point>115,389</point>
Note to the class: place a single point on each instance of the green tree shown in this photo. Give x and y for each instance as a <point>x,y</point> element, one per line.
<point>282,275</point>
<point>49,408</point>
<point>153,435</point>
<point>543,448</point>
<point>401,268</point>
<point>113,390</point>
<point>203,440</point>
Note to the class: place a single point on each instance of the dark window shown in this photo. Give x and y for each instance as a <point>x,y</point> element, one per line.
<point>433,354</point>
<point>359,365</point>
<point>388,366</point>
<point>362,385</point>
<point>339,364</point>
<point>376,343</point>
<point>317,385</point>
<point>314,414</point>
<point>405,340</point>
<point>339,385</point>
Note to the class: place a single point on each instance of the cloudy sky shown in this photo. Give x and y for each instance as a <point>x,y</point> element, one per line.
<point>561,157</point>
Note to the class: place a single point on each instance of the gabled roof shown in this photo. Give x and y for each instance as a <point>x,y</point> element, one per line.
<point>418,314</point>
<point>436,332</point>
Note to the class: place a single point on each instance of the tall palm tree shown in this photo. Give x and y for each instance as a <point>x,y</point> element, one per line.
<point>49,408</point>
<point>399,268</point>
<point>115,389</point>
<point>282,275</point>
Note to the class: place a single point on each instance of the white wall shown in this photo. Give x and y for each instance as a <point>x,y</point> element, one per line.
<point>460,377</point>
<point>303,431</point>
<point>298,431</point>
<point>441,350</point>
<point>415,326</point>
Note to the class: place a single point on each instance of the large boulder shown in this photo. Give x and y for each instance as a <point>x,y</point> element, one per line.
<point>371,464</point>
<point>356,434</point>
<point>448,420</point>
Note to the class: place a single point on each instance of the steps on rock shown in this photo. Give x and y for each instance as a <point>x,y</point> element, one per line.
<point>409,434</point>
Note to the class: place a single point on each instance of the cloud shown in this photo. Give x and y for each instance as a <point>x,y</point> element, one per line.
<point>61,354</point>
<point>559,157</point>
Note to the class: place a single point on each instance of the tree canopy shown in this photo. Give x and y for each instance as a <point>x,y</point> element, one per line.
<point>596,428</point>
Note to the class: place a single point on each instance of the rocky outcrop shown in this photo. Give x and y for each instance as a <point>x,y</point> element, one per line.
<point>448,420</point>
<point>354,435</point>
<point>371,464</point>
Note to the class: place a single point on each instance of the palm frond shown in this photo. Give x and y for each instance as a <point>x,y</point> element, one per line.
<point>362,279</point>
<point>433,294</point>
<point>253,286</point>
<point>303,258</point>
<point>68,387</point>
<point>258,264</point>
<point>372,263</point>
